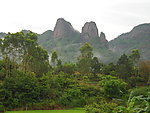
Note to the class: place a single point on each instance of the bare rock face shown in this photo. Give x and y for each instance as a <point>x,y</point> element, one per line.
<point>62,28</point>
<point>103,37</point>
<point>89,30</point>
<point>103,40</point>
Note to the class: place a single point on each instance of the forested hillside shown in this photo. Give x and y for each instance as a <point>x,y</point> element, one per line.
<point>29,81</point>
<point>137,38</point>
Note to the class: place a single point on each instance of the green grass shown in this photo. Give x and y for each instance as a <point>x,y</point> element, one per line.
<point>50,111</point>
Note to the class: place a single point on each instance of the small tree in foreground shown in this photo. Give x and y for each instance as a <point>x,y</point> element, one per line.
<point>113,87</point>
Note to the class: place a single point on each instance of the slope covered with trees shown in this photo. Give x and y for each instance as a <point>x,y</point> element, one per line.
<point>28,80</point>
<point>137,38</point>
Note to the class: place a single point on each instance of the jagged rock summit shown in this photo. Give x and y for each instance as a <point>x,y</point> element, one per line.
<point>103,37</point>
<point>67,41</point>
<point>103,40</point>
<point>89,30</point>
<point>62,28</point>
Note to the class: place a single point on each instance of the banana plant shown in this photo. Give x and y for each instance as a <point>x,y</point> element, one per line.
<point>135,104</point>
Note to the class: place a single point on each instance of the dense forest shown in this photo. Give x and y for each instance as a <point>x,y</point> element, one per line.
<point>29,79</point>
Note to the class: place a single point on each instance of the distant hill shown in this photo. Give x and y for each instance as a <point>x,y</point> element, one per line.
<point>137,38</point>
<point>66,41</point>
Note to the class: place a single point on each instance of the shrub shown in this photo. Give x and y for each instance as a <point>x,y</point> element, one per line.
<point>113,86</point>
<point>101,107</point>
<point>135,81</point>
<point>145,91</point>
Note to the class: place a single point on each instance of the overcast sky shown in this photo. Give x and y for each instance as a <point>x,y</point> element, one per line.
<point>113,17</point>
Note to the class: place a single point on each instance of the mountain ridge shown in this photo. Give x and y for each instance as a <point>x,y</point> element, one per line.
<point>137,38</point>
<point>66,41</point>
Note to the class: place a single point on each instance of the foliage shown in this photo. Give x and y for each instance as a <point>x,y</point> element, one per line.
<point>124,67</point>
<point>141,91</point>
<point>62,89</point>
<point>109,69</point>
<point>113,87</point>
<point>144,70</point>
<point>136,81</point>
<point>67,68</point>
<point>135,104</point>
<point>135,56</point>
<point>28,81</point>
<point>96,66</point>
<point>72,97</point>
<point>22,49</point>
<point>91,93</point>
<point>100,107</point>
<point>54,57</point>
<point>20,90</point>
<point>85,59</point>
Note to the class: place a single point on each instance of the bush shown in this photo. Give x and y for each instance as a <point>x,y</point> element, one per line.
<point>135,81</point>
<point>72,97</point>
<point>101,107</point>
<point>20,90</point>
<point>145,91</point>
<point>113,87</point>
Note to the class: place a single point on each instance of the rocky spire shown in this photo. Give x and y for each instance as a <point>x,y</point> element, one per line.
<point>103,37</point>
<point>89,30</point>
<point>62,28</point>
<point>103,40</point>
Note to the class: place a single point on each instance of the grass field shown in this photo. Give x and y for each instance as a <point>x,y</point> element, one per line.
<point>50,111</point>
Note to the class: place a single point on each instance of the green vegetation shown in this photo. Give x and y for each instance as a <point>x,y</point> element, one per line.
<point>28,81</point>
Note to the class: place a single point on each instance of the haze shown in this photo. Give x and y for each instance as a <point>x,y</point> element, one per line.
<point>113,17</point>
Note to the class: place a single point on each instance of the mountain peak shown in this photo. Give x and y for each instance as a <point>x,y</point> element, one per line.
<point>103,37</point>
<point>89,30</point>
<point>62,28</point>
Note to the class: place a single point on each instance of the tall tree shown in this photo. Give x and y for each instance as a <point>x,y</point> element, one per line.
<point>23,49</point>
<point>124,67</point>
<point>85,59</point>
<point>109,69</point>
<point>144,70</point>
<point>54,58</point>
<point>96,66</point>
<point>135,57</point>
<point>12,46</point>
